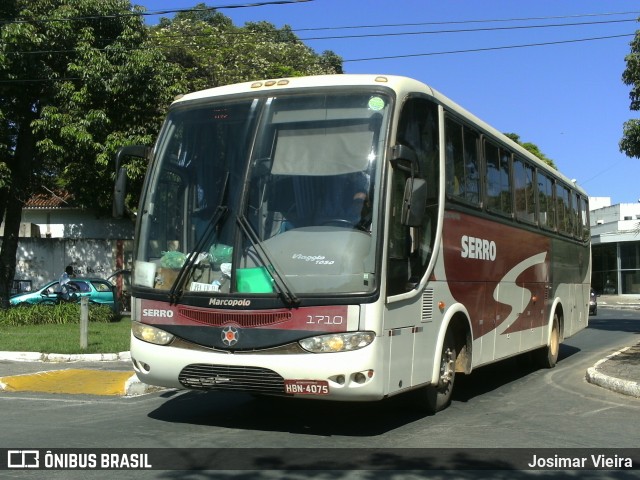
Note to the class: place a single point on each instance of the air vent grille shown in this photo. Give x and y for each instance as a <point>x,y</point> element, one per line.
<point>202,376</point>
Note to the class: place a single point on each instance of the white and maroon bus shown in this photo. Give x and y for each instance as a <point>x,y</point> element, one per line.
<point>347,237</point>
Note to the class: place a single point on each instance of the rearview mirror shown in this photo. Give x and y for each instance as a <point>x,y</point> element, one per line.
<point>120,188</point>
<point>414,202</point>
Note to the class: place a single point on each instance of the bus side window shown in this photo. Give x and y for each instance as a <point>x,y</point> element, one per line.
<point>585,233</point>
<point>498,179</point>
<point>563,212</point>
<point>454,159</point>
<point>545,202</point>
<point>462,173</point>
<point>524,190</point>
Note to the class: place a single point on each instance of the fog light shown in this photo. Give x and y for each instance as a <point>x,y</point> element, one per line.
<point>359,377</point>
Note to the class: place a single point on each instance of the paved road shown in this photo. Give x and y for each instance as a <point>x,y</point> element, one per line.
<point>501,406</point>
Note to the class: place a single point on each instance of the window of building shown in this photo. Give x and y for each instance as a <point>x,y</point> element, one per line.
<point>604,277</point>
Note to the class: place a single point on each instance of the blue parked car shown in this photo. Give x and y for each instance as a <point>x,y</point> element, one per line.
<point>98,290</point>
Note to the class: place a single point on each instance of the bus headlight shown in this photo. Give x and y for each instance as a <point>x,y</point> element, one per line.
<point>337,342</point>
<point>150,334</point>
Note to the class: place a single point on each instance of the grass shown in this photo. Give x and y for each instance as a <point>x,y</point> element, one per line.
<point>111,337</point>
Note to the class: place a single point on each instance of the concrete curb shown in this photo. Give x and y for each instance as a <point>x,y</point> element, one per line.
<point>63,357</point>
<point>626,387</point>
<point>133,387</point>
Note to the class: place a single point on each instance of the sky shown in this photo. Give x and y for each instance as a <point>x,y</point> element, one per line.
<point>567,96</point>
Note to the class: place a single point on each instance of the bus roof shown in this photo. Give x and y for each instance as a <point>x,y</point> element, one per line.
<point>401,85</point>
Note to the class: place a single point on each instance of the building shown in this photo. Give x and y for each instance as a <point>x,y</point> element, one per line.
<point>56,232</point>
<point>615,247</point>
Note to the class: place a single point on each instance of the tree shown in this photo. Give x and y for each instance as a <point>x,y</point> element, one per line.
<point>80,78</point>
<point>532,148</point>
<point>213,52</point>
<point>630,142</point>
<point>77,79</point>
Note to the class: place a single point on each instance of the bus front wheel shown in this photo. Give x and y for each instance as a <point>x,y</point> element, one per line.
<point>434,398</point>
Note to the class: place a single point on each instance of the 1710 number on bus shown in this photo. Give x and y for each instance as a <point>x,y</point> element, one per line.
<point>306,387</point>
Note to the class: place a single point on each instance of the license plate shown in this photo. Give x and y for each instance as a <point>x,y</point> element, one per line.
<point>306,387</point>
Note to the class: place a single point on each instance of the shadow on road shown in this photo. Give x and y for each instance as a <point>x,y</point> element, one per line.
<point>630,325</point>
<point>497,375</point>
<point>327,418</point>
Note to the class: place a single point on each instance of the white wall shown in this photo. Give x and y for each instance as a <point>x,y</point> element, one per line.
<point>43,259</point>
<point>75,223</point>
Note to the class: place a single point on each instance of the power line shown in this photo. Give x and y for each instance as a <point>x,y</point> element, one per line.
<point>153,13</point>
<point>470,30</point>
<point>461,22</point>
<point>486,49</point>
<point>434,32</point>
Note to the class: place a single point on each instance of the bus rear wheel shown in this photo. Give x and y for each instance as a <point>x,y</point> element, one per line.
<point>547,357</point>
<point>434,398</point>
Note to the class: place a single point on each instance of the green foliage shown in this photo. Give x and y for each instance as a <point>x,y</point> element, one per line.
<point>5,175</point>
<point>81,78</point>
<point>532,148</point>
<point>110,337</point>
<point>112,89</point>
<point>630,142</point>
<point>98,78</point>
<point>213,52</point>
<point>53,315</point>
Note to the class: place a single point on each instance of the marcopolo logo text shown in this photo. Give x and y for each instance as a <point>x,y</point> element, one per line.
<point>229,302</point>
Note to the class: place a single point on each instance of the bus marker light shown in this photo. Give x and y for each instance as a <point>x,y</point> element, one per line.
<point>441,305</point>
<point>256,84</point>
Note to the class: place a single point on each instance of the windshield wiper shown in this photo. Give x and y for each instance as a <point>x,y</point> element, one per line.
<point>282,286</point>
<point>214,224</point>
<point>178,285</point>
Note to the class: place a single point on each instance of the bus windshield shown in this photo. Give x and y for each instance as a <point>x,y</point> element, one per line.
<point>265,195</point>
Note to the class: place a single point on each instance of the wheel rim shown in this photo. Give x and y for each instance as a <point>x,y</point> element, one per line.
<point>446,367</point>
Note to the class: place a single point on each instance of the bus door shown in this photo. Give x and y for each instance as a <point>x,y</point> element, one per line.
<point>407,323</point>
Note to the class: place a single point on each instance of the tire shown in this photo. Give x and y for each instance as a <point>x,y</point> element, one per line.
<point>435,398</point>
<point>547,357</point>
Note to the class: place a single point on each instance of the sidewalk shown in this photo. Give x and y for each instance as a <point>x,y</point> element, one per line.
<point>619,372</point>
